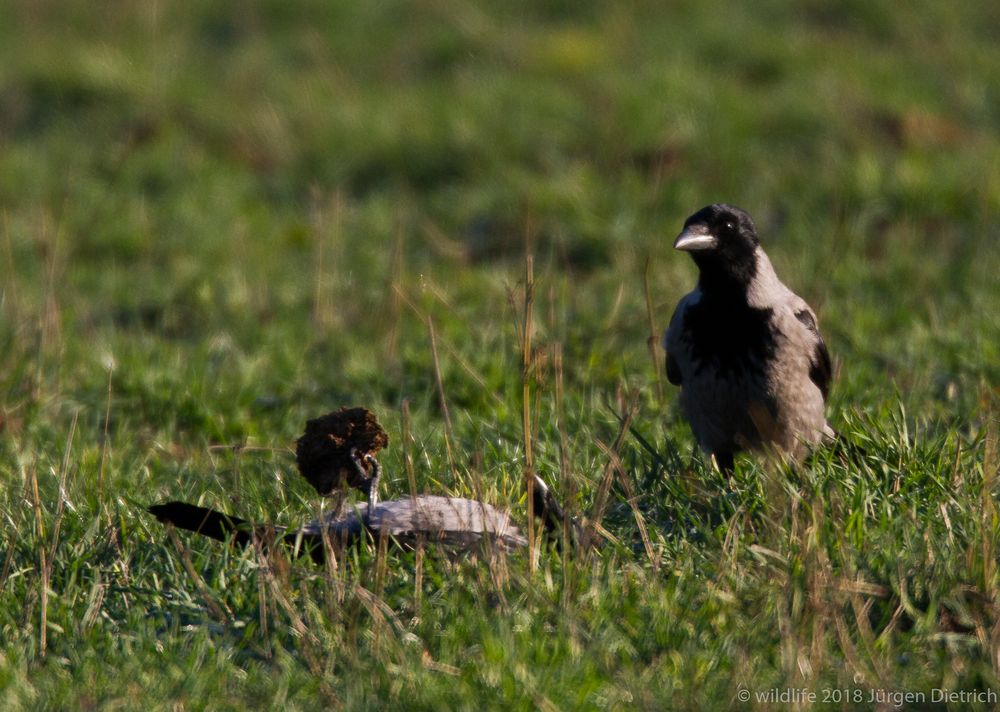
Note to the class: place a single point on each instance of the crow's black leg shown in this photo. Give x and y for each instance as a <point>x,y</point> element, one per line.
<point>359,466</point>
<point>725,462</point>
<point>373,482</point>
<point>370,480</point>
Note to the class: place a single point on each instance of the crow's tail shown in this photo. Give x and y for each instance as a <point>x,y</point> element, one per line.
<point>206,522</point>
<point>223,527</point>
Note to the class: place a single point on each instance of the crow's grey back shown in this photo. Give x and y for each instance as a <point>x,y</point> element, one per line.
<point>452,520</point>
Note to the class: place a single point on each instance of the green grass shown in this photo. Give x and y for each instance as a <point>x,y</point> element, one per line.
<point>218,222</point>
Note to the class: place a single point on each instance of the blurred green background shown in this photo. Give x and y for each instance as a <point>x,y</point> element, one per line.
<point>219,219</point>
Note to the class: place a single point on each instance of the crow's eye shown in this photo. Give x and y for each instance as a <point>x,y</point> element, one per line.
<point>730,226</point>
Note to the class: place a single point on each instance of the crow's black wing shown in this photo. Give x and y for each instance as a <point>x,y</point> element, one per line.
<point>673,370</point>
<point>820,368</point>
<point>672,338</point>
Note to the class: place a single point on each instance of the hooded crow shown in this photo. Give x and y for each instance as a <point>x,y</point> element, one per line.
<point>746,350</point>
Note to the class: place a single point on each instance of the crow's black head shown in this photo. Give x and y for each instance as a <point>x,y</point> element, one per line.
<point>723,242</point>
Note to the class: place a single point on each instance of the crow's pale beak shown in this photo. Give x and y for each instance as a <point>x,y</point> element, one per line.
<point>695,238</point>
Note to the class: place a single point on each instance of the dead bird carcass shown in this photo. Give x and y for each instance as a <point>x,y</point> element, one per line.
<point>337,452</point>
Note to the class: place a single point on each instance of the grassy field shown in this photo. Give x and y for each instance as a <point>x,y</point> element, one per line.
<point>218,220</point>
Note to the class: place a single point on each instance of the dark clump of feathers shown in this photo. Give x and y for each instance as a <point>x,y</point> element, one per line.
<point>325,452</point>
